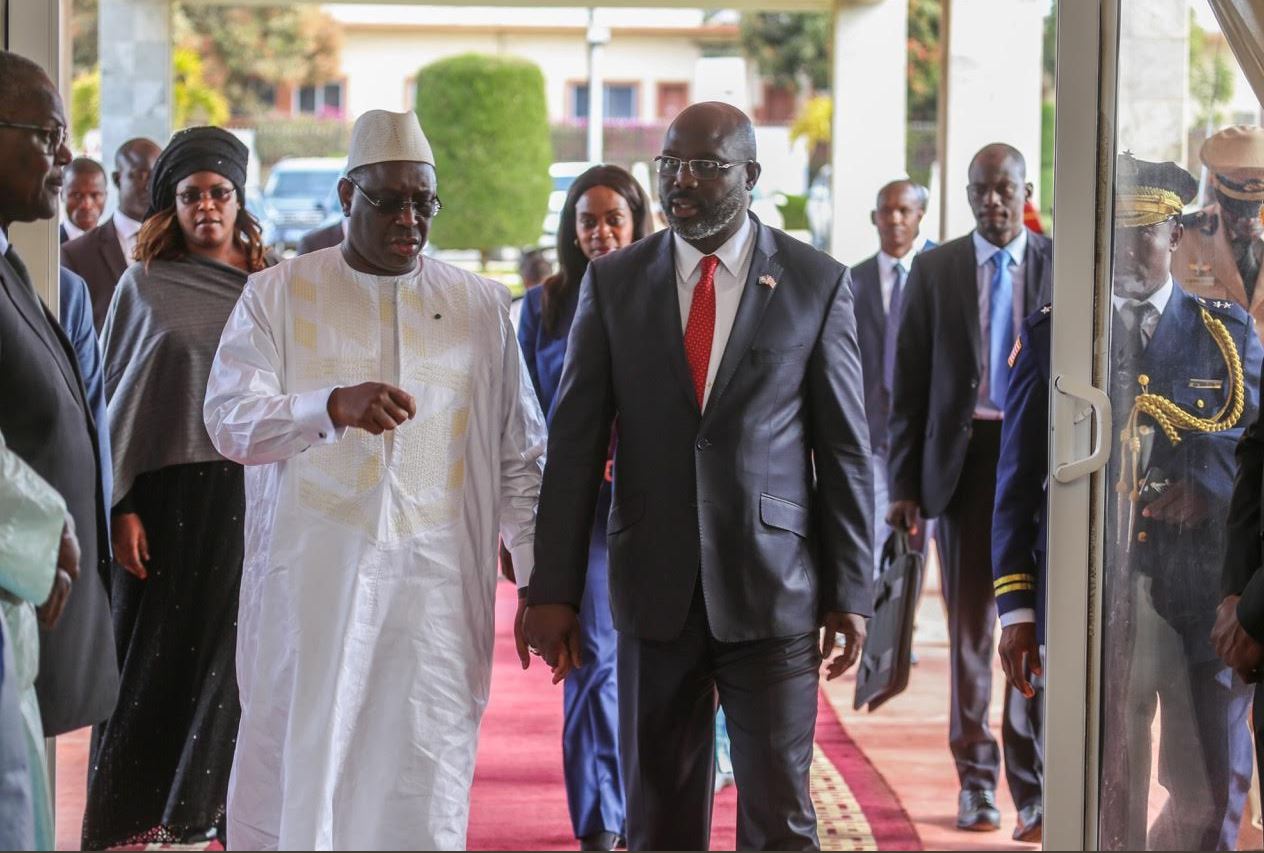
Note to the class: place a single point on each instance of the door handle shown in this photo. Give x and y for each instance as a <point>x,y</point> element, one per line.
<point>1099,401</point>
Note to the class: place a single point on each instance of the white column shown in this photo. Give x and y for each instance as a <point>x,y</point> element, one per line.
<point>597,38</point>
<point>134,43</point>
<point>1154,79</point>
<point>38,32</point>
<point>991,89</point>
<point>870,92</point>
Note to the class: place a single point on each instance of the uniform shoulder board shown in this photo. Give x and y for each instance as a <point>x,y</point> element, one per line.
<point>1225,308</point>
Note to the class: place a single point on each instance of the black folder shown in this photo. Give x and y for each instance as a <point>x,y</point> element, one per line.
<point>885,661</point>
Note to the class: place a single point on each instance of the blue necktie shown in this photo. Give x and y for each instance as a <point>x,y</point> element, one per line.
<point>1001,327</point>
<point>892,328</point>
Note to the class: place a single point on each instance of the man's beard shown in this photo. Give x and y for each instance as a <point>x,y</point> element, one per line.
<point>711,221</point>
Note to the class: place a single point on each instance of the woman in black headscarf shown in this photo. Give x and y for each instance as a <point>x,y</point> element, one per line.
<point>161,762</point>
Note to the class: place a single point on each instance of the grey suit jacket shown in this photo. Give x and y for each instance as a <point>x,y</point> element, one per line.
<point>321,238</point>
<point>97,257</point>
<point>765,498</point>
<point>45,418</point>
<point>937,368</point>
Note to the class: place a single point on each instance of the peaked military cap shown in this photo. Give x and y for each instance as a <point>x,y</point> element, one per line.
<point>1147,192</point>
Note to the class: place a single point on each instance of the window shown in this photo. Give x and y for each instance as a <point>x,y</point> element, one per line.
<point>326,100</point>
<point>672,98</point>
<point>619,102</point>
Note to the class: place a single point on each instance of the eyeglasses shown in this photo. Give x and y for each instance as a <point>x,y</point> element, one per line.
<point>1006,190</point>
<point>218,195</point>
<point>703,170</point>
<point>54,137</point>
<point>423,207</point>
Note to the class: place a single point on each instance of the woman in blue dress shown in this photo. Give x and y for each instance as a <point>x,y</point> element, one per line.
<point>605,210</point>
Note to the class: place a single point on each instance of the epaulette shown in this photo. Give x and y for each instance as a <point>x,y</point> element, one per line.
<point>1226,308</point>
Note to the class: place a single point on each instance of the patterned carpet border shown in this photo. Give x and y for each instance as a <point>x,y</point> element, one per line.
<point>887,821</point>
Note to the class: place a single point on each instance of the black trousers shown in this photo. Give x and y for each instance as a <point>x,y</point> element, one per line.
<point>667,702</point>
<point>964,537</point>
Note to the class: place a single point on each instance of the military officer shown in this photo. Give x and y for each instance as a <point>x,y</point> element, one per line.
<point>1221,253</point>
<point>1184,379</point>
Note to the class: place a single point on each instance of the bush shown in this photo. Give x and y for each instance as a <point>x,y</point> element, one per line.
<point>795,212</point>
<point>300,137</point>
<point>487,122</point>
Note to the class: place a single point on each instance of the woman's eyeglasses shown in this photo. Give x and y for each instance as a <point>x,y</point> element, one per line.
<point>219,195</point>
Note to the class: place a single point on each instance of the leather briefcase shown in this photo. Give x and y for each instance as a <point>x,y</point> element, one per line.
<point>886,659</point>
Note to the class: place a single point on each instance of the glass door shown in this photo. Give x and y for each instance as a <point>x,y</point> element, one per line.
<point>1155,367</point>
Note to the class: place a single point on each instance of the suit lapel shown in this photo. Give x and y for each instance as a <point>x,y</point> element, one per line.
<point>874,316</point>
<point>1033,279</point>
<point>111,251</point>
<point>42,324</point>
<point>750,309</point>
<point>665,304</point>
<point>967,273</point>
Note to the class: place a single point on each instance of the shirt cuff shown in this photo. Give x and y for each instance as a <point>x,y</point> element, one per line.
<point>311,413</point>
<point>1017,616</point>
<point>524,562</point>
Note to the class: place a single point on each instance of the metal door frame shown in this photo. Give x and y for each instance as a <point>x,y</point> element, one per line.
<point>1084,141</point>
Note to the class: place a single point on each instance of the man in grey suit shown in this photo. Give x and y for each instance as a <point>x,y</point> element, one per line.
<point>741,518</point>
<point>963,306</point>
<point>878,283</point>
<point>44,411</point>
<point>321,238</point>
<point>101,255</point>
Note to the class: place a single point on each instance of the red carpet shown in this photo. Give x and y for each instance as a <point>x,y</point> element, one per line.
<point>519,802</point>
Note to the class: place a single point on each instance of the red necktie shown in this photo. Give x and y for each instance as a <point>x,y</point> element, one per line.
<point>700,329</point>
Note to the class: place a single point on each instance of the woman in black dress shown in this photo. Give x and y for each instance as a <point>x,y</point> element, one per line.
<point>160,766</point>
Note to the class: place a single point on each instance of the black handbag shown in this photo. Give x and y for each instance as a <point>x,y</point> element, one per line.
<point>886,658</point>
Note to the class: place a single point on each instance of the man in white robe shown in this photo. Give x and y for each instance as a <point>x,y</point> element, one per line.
<point>389,433</point>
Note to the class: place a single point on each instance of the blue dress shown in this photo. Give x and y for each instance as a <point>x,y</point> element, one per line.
<point>590,745</point>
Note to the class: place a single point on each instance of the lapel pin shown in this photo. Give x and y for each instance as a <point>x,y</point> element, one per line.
<point>767,281</point>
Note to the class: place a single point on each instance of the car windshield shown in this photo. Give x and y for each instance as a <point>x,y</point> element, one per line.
<point>301,184</point>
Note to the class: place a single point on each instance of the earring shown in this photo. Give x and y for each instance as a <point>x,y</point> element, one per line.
<point>576,242</point>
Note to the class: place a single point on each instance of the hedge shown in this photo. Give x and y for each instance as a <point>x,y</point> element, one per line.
<point>487,122</point>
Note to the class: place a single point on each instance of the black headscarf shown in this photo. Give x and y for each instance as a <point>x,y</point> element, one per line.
<point>196,149</point>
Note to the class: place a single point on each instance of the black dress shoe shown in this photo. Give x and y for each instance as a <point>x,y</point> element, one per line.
<point>600,841</point>
<point>977,812</point>
<point>1030,827</point>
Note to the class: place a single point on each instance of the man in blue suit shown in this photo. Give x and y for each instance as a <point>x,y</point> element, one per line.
<point>1169,538</point>
<point>878,285</point>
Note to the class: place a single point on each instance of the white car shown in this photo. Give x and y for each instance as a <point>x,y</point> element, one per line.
<point>563,175</point>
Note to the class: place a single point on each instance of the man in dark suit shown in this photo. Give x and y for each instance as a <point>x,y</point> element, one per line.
<point>321,238</point>
<point>741,520</point>
<point>878,284</point>
<point>101,255</point>
<point>84,195</point>
<point>44,412</point>
<point>962,309</point>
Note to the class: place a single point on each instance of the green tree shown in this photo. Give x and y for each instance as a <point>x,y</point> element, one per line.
<point>193,102</point>
<point>791,48</point>
<point>924,58</point>
<point>487,121</point>
<point>1210,74</point>
<point>248,51</point>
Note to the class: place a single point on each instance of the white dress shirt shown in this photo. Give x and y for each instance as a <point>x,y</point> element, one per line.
<point>1158,299</point>
<point>730,278</point>
<point>72,230</point>
<point>127,229</point>
<point>983,252</point>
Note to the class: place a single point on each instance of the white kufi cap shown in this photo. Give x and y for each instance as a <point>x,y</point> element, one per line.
<point>381,136</point>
